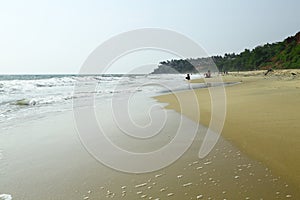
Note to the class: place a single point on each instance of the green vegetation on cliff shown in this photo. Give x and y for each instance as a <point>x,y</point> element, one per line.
<point>279,55</point>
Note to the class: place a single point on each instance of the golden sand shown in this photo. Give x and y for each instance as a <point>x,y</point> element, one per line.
<point>262,119</point>
<point>45,158</point>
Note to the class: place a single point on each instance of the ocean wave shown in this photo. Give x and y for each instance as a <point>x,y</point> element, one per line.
<point>3,113</point>
<point>44,85</point>
<point>27,85</point>
<point>25,102</point>
<point>41,100</point>
<point>26,96</point>
<point>6,102</point>
<point>23,85</point>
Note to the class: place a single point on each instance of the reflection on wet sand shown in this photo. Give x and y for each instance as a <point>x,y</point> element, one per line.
<point>225,174</point>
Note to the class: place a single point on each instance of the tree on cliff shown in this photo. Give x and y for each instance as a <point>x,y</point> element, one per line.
<point>279,55</point>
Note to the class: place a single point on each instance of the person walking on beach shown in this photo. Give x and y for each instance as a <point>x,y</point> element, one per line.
<point>188,77</point>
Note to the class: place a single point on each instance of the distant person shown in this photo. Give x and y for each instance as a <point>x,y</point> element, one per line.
<point>188,77</point>
<point>269,70</point>
<point>208,74</point>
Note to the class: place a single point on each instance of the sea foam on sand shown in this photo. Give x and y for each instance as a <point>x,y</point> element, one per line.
<point>5,197</point>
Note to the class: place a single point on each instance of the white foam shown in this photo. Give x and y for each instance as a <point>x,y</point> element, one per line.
<point>187,184</point>
<point>170,194</point>
<point>26,97</point>
<point>141,185</point>
<point>158,175</point>
<point>5,197</point>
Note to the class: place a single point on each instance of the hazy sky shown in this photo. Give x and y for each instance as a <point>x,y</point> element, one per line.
<point>56,36</point>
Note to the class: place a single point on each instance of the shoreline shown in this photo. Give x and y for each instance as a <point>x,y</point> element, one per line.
<point>53,164</point>
<point>260,112</point>
<point>45,159</point>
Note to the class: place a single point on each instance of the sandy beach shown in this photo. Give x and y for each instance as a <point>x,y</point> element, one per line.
<point>49,162</point>
<point>150,100</point>
<point>262,117</point>
<point>45,158</point>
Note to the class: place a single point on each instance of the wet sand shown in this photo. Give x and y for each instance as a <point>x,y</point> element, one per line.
<point>45,160</point>
<point>262,118</point>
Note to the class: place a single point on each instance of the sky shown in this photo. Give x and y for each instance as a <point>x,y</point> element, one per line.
<point>57,36</point>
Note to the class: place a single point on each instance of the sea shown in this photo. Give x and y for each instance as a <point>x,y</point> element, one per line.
<point>29,97</point>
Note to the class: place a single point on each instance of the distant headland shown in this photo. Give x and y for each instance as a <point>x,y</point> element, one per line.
<point>278,55</point>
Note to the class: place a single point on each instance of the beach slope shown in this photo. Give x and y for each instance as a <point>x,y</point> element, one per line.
<point>262,117</point>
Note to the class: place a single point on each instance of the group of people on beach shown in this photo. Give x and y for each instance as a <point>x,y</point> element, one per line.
<point>206,75</point>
